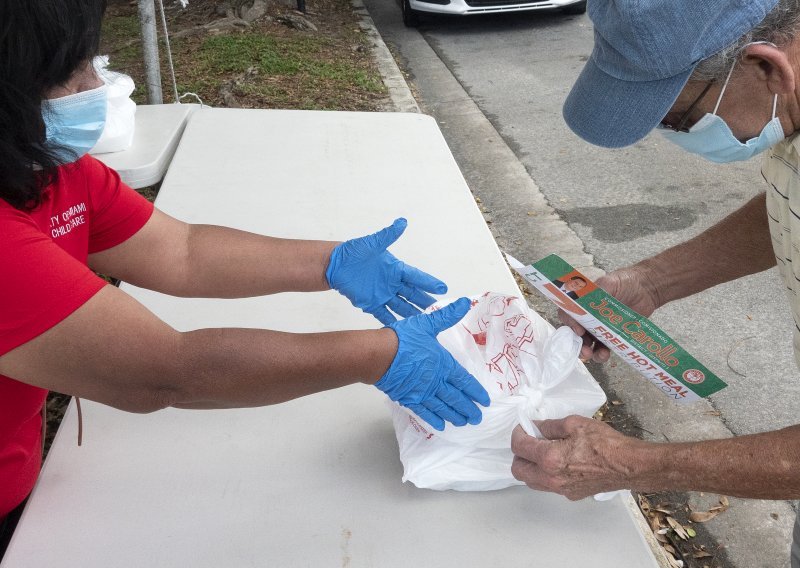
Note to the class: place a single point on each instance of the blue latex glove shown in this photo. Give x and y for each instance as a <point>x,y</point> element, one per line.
<point>424,376</point>
<point>373,279</point>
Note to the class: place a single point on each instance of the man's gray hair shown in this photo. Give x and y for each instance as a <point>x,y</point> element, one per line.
<point>780,27</point>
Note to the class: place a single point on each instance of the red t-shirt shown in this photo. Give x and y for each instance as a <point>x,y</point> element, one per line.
<point>43,279</point>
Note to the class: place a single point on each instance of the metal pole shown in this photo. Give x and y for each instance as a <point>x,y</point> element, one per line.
<point>152,67</point>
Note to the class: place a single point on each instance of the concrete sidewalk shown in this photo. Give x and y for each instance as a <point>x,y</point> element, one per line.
<point>751,533</point>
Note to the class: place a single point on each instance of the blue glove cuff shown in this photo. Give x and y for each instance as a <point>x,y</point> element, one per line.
<point>333,264</point>
<point>394,382</point>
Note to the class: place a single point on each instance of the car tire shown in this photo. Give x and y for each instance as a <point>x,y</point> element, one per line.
<point>410,16</point>
<point>574,9</point>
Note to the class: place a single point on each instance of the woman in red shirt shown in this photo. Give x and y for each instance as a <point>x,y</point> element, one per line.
<point>64,215</point>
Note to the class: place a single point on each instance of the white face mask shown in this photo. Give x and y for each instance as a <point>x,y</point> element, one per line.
<point>712,138</point>
<point>74,123</point>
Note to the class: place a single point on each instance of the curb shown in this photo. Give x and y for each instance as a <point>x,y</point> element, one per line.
<point>399,92</point>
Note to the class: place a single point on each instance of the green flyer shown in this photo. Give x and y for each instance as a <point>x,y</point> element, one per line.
<point>634,338</point>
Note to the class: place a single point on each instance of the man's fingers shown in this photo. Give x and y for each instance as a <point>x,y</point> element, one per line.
<point>422,280</point>
<point>567,320</point>
<point>592,348</point>
<point>456,400</point>
<point>601,353</point>
<point>528,447</point>
<point>402,308</point>
<point>526,472</point>
<point>553,429</point>
<point>534,476</point>
<point>519,439</point>
<point>587,347</point>
<point>416,296</point>
<point>427,416</point>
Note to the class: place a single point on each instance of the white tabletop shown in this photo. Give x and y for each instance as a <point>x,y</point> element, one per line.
<point>314,482</point>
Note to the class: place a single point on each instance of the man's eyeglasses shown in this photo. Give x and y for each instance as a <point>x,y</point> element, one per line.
<point>680,126</point>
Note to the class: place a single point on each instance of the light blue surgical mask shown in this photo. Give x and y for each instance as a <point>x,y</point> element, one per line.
<point>74,123</point>
<point>712,138</point>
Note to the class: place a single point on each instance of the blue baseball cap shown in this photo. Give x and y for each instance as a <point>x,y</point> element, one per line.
<point>644,52</point>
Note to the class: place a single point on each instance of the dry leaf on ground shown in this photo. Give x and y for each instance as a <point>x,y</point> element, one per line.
<point>678,528</point>
<point>703,516</point>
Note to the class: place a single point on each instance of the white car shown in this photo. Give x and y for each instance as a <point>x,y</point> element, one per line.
<point>412,8</point>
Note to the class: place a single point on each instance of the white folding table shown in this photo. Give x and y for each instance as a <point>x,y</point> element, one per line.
<point>155,139</point>
<point>314,482</point>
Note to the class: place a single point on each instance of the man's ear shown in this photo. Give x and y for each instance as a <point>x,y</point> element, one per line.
<point>770,64</point>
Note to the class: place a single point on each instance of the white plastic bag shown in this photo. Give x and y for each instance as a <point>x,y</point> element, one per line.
<point>121,111</point>
<point>530,371</point>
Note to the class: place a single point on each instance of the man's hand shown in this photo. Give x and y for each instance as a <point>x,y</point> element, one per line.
<point>579,458</point>
<point>633,287</point>
<point>372,278</point>
<point>424,376</point>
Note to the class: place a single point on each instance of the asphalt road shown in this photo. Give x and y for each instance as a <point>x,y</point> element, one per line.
<point>624,205</point>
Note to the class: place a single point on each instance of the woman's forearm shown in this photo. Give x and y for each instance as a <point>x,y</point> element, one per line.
<point>228,263</point>
<point>224,368</point>
<point>114,351</point>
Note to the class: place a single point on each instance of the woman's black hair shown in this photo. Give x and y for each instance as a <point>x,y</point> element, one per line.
<point>42,43</point>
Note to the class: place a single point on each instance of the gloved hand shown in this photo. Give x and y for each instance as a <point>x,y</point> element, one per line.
<point>424,376</point>
<point>372,278</point>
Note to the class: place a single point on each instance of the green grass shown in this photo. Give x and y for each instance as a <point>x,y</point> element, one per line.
<point>280,56</point>
<point>236,53</point>
<point>349,74</point>
<point>120,31</point>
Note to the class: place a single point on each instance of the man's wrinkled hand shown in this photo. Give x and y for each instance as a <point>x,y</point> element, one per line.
<point>633,288</point>
<point>580,457</point>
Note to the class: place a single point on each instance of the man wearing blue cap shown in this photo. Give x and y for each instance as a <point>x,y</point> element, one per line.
<point>720,78</point>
